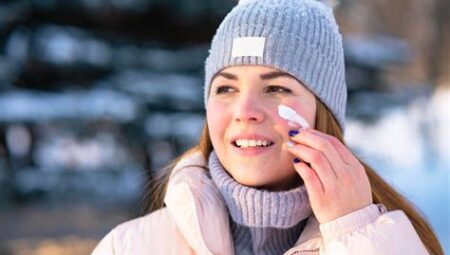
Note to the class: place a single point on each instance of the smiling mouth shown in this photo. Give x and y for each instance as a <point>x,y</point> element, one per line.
<point>243,143</point>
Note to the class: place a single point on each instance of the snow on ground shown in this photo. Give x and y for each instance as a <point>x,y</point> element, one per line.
<point>410,147</point>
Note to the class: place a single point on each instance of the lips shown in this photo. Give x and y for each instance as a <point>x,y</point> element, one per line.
<point>245,143</point>
<point>251,141</point>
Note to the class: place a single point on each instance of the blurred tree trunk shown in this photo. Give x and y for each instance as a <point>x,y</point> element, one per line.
<point>422,24</point>
<point>440,62</point>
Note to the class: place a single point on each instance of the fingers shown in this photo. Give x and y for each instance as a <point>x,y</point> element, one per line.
<point>312,182</point>
<point>336,181</point>
<point>319,164</point>
<point>322,144</point>
<point>358,172</point>
<point>346,155</point>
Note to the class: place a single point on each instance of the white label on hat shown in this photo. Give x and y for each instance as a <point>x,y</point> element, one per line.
<point>248,46</point>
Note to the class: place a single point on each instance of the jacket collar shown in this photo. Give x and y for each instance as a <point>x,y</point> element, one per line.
<point>197,208</point>
<point>196,205</point>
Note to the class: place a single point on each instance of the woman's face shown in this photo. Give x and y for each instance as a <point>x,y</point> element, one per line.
<point>243,110</point>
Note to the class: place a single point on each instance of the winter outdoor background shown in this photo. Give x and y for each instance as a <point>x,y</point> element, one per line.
<point>97,95</point>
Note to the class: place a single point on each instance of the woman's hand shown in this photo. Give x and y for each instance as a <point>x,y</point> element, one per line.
<point>336,181</point>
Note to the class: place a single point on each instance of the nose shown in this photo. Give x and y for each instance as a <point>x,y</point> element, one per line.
<point>249,109</point>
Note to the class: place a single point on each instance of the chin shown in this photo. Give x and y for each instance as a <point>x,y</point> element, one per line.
<point>255,182</point>
<point>251,181</point>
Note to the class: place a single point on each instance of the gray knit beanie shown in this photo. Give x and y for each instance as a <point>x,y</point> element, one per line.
<point>299,37</point>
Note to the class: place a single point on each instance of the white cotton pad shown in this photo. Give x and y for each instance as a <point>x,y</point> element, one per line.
<point>290,114</point>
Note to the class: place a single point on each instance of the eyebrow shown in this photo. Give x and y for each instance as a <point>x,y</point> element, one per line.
<point>264,76</point>
<point>275,74</point>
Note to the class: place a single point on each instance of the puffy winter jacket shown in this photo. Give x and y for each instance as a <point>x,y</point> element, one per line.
<point>195,221</point>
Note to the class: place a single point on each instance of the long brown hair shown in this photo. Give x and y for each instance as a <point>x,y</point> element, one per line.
<point>382,192</point>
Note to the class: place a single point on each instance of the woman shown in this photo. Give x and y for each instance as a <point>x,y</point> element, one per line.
<point>258,184</point>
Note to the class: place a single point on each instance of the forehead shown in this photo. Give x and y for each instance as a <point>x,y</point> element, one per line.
<point>250,68</point>
<point>242,72</point>
<point>258,72</point>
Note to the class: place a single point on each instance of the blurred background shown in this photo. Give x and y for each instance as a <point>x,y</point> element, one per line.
<point>97,95</point>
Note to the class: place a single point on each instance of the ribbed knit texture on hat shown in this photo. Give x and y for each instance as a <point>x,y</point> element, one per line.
<point>262,222</point>
<point>301,38</point>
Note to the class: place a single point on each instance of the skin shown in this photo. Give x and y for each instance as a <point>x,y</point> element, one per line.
<point>336,181</point>
<point>243,102</point>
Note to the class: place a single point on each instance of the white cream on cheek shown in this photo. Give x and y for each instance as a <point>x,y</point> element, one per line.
<point>291,115</point>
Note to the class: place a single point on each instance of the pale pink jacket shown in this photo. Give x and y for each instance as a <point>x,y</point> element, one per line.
<point>195,221</point>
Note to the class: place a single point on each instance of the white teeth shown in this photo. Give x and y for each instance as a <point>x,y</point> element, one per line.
<point>251,143</point>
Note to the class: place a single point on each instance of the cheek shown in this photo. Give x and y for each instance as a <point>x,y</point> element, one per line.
<point>217,119</point>
<point>307,112</point>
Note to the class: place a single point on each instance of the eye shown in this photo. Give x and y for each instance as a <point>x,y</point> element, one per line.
<point>224,89</point>
<point>278,89</point>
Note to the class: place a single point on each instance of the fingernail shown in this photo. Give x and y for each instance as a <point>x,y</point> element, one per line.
<point>293,133</point>
<point>296,160</point>
<point>290,144</point>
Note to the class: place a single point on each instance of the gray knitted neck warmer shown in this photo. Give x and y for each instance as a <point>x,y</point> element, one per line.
<point>262,222</point>
<point>260,208</point>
